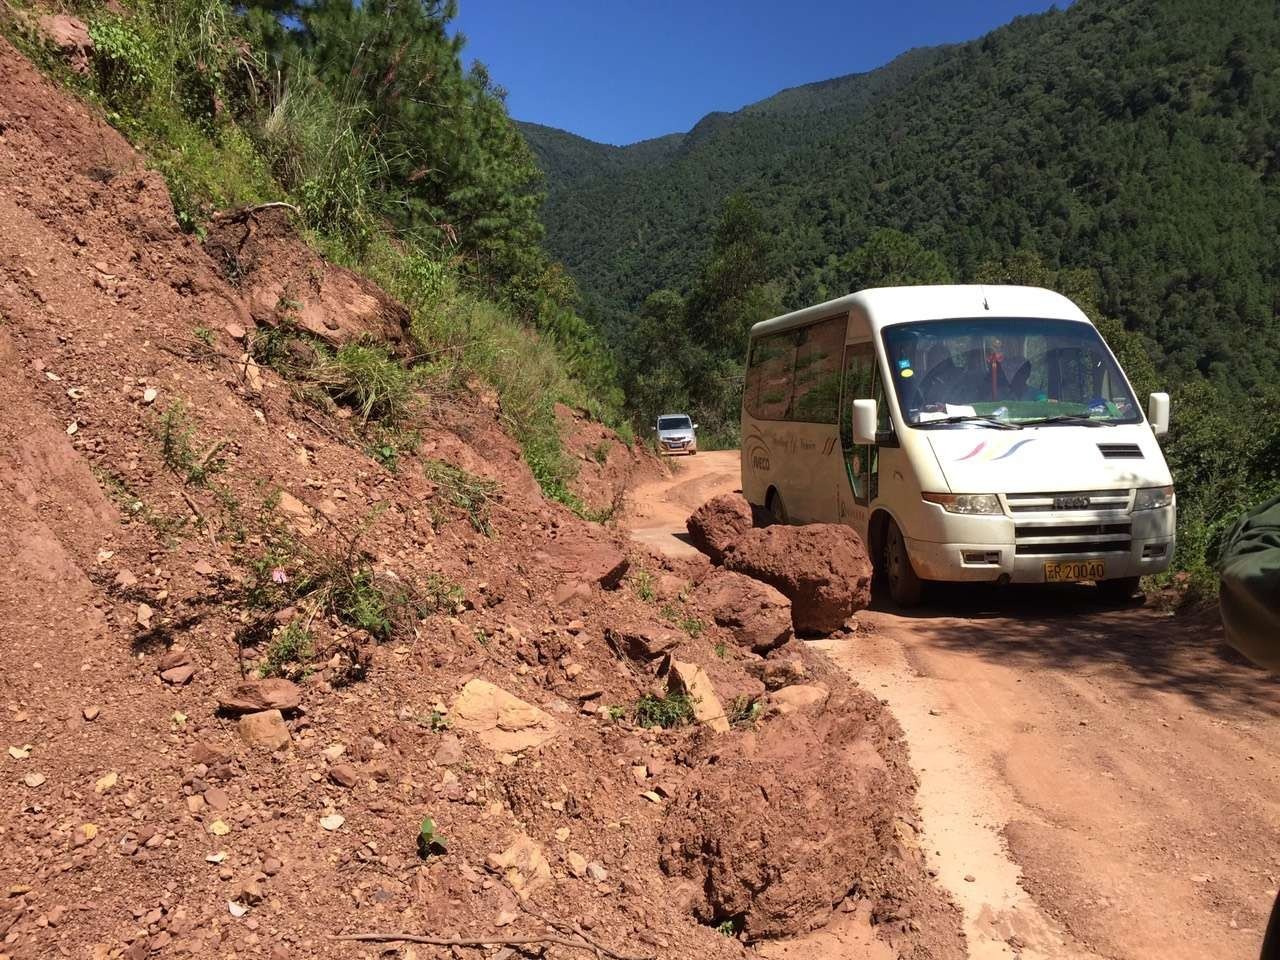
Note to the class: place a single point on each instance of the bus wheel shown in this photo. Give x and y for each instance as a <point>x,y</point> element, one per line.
<point>905,587</point>
<point>777,509</point>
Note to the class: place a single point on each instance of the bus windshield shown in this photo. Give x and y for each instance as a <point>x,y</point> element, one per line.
<point>1014,370</point>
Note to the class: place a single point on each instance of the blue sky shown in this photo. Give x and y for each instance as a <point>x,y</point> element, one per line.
<point>618,71</point>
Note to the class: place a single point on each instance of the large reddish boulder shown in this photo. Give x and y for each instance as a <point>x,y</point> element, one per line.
<point>758,616</point>
<point>774,827</point>
<point>717,523</point>
<point>822,568</point>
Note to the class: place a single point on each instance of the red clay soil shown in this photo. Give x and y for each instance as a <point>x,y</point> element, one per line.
<point>606,467</point>
<point>135,819</point>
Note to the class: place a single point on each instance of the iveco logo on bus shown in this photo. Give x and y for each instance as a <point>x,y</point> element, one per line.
<point>758,455</point>
<point>1070,503</point>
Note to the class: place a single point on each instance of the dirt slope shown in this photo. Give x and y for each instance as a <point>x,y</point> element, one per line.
<point>1094,782</point>
<point>138,820</point>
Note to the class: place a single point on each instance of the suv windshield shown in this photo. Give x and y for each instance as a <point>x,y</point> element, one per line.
<point>673,423</point>
<point>1012,370</point>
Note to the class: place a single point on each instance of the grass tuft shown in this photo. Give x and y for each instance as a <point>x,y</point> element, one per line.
<point>673,710</point>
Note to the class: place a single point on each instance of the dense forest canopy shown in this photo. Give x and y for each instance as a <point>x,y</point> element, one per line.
<point>1126,152</point>
<point>1134,138</point>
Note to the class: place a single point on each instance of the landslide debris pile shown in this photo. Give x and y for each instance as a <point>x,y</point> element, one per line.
<point>265,686</point>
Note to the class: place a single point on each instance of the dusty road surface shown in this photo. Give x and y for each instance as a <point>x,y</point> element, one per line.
<point>1094,782</point>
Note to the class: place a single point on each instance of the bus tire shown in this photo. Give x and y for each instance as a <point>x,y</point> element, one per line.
<point>906,589</point>
<point>777,509</point>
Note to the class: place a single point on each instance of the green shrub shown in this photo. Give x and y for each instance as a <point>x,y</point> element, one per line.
<point>127,65</point>
<point>673,710</point>
<point>370,379</point>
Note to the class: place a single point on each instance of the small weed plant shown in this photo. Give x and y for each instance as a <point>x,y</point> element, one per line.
<point>673,710</point>
<point>289,651</point>
<point>683,619</point>
<point>642,585</point>
<point>600,452</point>
<point>466,491</point>
<point>744,711</point>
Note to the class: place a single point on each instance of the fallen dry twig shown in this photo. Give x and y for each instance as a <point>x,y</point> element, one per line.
<point>548,940</point>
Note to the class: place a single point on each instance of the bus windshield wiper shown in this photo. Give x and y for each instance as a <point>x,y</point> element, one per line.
<point>1068,418</point>
<point>970,418</point>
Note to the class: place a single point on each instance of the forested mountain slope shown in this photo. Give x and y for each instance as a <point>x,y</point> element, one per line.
<point>1137,139</point>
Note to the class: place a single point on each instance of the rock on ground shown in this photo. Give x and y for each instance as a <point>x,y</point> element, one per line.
<point>254,696</point>
<point>785,822</point>
<point>641,641</point>
<point>822,568</point>
<point>265,730</point>
<point>758,616</point>
<point>585,559</point>
<point>719,522</point>
<point>692,680</point>
<point>501,721</point>
<point>523,865</point>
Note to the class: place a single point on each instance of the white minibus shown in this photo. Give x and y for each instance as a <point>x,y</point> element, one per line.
<point>968,433</point>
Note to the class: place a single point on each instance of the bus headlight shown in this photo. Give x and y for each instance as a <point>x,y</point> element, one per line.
<point>1153,498</point>
<point>969,503</point>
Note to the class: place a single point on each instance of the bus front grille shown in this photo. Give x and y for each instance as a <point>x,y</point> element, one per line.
<point>1072,538</point>
<point>1068,500</point>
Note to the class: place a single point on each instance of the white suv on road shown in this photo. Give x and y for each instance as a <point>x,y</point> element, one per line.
<point>676,434</point>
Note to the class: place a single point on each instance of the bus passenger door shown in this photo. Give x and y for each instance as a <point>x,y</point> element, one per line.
<point>861,460</point>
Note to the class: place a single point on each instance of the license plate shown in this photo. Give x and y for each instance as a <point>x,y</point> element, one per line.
<point>1069,571</point>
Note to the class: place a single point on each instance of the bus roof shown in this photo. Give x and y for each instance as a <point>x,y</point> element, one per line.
<point>889,305</point>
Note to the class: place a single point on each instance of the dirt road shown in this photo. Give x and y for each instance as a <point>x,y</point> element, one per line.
<point>1094,782</point>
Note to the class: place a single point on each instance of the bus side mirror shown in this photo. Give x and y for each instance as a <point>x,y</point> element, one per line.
<point>864,421</point>
<point>1158,413</point>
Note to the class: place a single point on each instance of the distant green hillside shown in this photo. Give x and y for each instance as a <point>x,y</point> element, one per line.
<point>1139,139</point>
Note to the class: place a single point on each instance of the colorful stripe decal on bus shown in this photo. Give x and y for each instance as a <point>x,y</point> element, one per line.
<point>993,453</point>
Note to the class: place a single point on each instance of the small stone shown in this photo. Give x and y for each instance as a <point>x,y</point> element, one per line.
<point>265,730</point>
<point>333,821</point>
<point>562,834</point>
<point>219,828</point>
<point>144,614</point>
<point>576,863</point>
<point>254,696</point>
<point>195,803</point>
<point>449,750</point>
<point>968,878</point>
<point>34,780</point>
<point>271,866</point>
<point>105,783</point>
<point>178,676</point>
<point>344,775</point>
<point>149,395</point>
<point>216,798</point>
<point>20,753</point>
<point>597,872</point>
<point>91,713</point>
<point>203,567</point>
